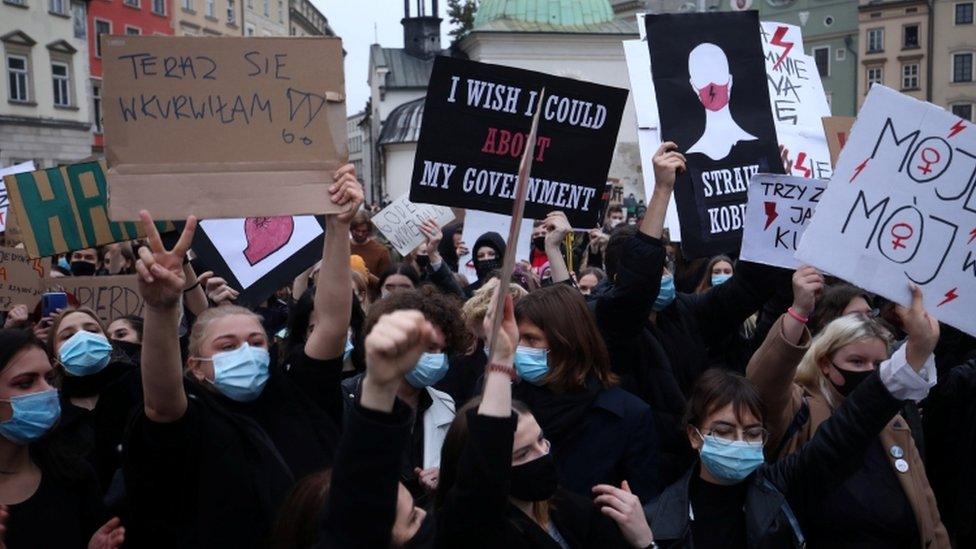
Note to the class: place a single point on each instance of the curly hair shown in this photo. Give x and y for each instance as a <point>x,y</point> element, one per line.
<point>441,310</point>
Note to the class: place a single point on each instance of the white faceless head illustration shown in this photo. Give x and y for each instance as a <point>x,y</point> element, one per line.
<point>711,81</point>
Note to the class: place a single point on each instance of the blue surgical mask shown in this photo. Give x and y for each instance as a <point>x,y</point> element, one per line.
<point>241,374</point>
<point>666,295</point>
<point>430,369</point>
<point>718,279</point>
<point>731,461</point>
<point>532,364</point>
<point>85,354</point>
<point>33,415</point>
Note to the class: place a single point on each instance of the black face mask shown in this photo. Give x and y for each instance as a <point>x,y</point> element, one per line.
<point>851,379</point>
<point>82,268</point>
<point>539,243</point>
<point>534,480</point>
<point>423,261</point>
<point>485,267</point>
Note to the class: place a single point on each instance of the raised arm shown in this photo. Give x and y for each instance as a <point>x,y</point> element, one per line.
<point>440,274</point>
<point>557,226</point>
<point>161,282</point>
<point>333,290</point>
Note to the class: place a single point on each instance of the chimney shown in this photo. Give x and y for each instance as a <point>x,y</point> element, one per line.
<point>421,33</point>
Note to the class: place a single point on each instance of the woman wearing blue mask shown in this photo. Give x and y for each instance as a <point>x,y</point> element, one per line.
<point>600,433</point>
<point>433,410</point>
<point>718,271</point>
<point>217,445</point>
<point>51,495</point>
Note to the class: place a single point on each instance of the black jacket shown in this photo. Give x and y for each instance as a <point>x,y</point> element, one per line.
<point>780,495</point>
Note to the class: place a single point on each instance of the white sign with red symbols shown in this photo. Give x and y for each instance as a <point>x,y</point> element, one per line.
<point>901,207</point>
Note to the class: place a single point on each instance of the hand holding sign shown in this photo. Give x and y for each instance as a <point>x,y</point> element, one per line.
<point>807,284</point>
<point>668,162</point>
<point>557,226</point>
<point>433,236</point>
<point>345,191</point>
<point>161,277</point>
<point>922,330</point>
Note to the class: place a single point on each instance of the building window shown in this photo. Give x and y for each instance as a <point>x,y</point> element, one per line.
<point>963,110</point>
<point>231,12</point>
<point>875,40</point>
<point>964,13</point>
<point>822,56</point>
<point>59,7</point>
<point>97,106</point>
<point>132,31</point>
<point>101,27</point>
<point>210,8</point>
<point>909,76</point>
<point>188,5</point>
<point>962,67</point>
<point>62,89</point>
<point>875,76</point>
<point>16,2</point>
<point>281,11</point>
<point>248,29</point>
<point>841,54</point>
<point>131,3</point>
<point>266,9</point>
<point>79,20</point>
<point>159,7</point>
<point>18,78</point>
<point>911,37</point>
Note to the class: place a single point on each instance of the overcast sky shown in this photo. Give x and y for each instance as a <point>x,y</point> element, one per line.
<point>354,21</point>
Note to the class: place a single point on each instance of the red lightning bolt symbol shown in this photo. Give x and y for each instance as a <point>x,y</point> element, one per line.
<point>972,236</point>
<point>771,214</point>
<point>778,41</point>
<point>957,127</point>
<point>798,166</point>
<point>949,296</point>
<point>858,169</point>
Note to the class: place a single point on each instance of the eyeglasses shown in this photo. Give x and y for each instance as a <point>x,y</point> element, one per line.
<point>728,434</point>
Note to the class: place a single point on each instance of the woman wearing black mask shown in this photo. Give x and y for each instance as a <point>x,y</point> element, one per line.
<point>84,262</point>
<point>499,484</point>
<point>887,502</point>
<point>489,250</point>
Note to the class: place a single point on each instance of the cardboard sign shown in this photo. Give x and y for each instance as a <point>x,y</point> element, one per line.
<point>258,255</point>
<point>780,208</point>
<point>4,201</point>
<point>111,297</point>
<point>713,101</point>
<point>837,128</point>
<point>20,278</point>
<point>225,127</point>
<point>63,209</point>
<point>797,100</point>
<point>400,222</point>
<point>902,207</point>
<point>476,123</point>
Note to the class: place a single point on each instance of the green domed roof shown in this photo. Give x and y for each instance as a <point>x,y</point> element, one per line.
<point>554,13</point>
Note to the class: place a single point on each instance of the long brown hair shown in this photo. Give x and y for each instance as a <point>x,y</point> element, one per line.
<point>705,283</point>
<point>576,350</point>
<point>298,517</point>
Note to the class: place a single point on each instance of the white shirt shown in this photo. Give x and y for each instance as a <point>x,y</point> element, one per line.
<point>902,381</point>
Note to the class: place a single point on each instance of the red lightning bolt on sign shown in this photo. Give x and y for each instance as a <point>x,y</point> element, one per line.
<point>858,169</point>
<point>778,41</point>
<point>798,166</point>
<point>771,214</point>
<point>949,296</point>
<point>957,127</point>
<point>972,236</point>
<point>842,138</point>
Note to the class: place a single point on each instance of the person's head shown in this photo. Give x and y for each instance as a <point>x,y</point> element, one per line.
<point>127,328</point>
<point>84,262</point>
<point>228,352</point>
<point>476,308</point>
<point>718,270</point>
<point>402,276</point>
<point>589,278</point>
<point>842,355</point>
<point>616,216</point>
<point>488,252</point>
<point>724,424</point>
<point>615,247</point>
<point>70,322</point>
<point>838,300</point>
<point>559,344</point>
<point>361,228</point>
<point>118,258</point>
<point>360,286</point>
<point>28,400</point>
<point>710,76</point>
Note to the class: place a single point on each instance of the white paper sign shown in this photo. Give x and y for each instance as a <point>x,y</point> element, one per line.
<point>400,222</point>
<point>780,208</point>
<point>4,202</point>
<point>638,59</point>
<point>902,207</point>
<point>477,223</point>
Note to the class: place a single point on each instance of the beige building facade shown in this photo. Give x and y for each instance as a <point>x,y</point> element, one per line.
<point>266,18</point>
<point>304,19</point>
<point>953,56</point>
<point>893,46</point>
<point>208,17</point>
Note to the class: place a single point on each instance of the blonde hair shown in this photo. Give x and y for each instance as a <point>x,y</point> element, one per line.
<point>207,318</point>
<point>476,308</point>
<point>841,332</point>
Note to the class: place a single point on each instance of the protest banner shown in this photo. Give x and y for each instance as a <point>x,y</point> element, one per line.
<point>779,210</point>
<point>837,128</point>
<point>902,207</point>
<point>713,102</point>
<point>222,128</point>
<point>258,255</point>
<point>400,222</point>
<point>63,209</point>
<point>4,201</point>
<point>20,278</point>
<point>111,297</point>
<point>475,126</point>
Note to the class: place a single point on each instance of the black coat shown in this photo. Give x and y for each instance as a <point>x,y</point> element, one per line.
<point>780,495</point>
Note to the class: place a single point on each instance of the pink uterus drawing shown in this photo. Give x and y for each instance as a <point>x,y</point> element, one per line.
<point>266,235</point>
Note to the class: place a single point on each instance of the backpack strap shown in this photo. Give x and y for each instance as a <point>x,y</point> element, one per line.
<point>799,420</point>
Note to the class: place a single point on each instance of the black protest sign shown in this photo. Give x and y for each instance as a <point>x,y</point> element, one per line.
<point>713,101</point>
<point>476,122</point>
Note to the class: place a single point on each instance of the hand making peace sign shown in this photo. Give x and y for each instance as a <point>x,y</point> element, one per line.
<point>161,278</point>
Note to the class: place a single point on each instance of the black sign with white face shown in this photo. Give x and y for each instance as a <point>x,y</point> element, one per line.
<point>710,81</point>
<point>477,118</point>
